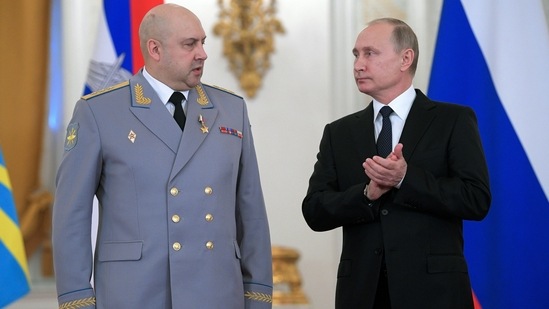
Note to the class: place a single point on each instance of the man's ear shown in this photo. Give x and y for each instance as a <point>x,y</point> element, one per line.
<point>407,58</point>
<point>153,49</point>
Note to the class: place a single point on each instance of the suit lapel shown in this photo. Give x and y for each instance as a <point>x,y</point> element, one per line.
<point>198,105</point>
<point>363,135</point>
<point>148,108</point>
<point>418,120</point>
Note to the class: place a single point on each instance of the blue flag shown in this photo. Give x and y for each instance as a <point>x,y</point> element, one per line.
<point>14,271</point>
<point>493,56</point>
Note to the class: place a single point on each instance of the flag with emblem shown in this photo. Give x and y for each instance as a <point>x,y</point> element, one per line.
<point>14,271</point>
<point>492,55</point>
<point>117,54</point>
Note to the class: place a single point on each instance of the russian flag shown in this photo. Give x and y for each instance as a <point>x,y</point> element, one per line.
<point>117,55</point>
<point>493,55</point>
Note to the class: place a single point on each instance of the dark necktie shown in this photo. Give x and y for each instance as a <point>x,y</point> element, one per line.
<point>384,140</point>
<point>178,115</point>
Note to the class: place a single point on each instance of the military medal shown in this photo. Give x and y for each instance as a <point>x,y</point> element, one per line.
<point>132,136</point>
<point>203,126</point>
<point>230,131</point>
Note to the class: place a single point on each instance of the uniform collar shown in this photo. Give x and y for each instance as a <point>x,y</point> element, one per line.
<point>162,90</point>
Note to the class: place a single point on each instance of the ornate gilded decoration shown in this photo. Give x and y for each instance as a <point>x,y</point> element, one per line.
<point>286,278</point>
<point>202,98</point>
<point>247,28</point>
<point>80,303</point>
<point>140,97</point>
<point>259,296</point>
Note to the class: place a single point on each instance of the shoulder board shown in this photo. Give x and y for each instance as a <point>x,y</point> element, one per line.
<point>223,89</point>
<point>105,90</point>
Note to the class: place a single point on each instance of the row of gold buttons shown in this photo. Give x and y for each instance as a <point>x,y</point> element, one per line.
<point>174,191</point>
<point>175,218</point>
<point>177,246</point>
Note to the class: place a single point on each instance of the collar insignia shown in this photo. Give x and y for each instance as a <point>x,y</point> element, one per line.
<point>140,97</point>
<point>202,98</point>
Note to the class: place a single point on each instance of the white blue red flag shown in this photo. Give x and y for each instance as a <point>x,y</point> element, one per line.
<point>117,55</point>
<point>493,56</point>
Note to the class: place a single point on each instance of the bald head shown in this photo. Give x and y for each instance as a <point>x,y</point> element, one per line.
<point>172,43</point>
<point>160,23</point>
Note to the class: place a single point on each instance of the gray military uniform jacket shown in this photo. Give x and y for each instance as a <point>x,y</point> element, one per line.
<point>182,220</point>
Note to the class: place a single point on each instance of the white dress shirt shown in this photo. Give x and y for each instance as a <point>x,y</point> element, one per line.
<point>164,92</point>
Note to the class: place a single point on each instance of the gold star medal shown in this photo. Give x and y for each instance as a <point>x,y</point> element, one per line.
<point>203,126</point>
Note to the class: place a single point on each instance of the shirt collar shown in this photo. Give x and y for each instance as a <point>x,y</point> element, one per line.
<point>164,92</point>
<point>401,105</point>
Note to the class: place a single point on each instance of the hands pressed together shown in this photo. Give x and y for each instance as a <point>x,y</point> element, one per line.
<point>384,173</point>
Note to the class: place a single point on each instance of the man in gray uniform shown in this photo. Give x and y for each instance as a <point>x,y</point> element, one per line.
<point>182,221</point>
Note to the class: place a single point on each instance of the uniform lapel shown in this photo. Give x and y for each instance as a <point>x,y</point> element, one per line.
<point>148,108</point>
<point>198,104</point>
<point>418,120</point>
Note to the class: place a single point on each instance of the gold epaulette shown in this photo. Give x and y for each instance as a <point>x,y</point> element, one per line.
<point>223,89</point>
<point>105,90</point>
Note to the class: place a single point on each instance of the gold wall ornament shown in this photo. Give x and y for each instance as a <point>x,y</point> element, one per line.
<point>247,28</point>
<point>286,278</point>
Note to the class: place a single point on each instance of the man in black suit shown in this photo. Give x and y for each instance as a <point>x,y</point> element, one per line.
<point>402,210</point>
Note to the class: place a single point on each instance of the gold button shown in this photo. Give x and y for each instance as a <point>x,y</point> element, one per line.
<point>210,245</point>
<point>174,191</point>
<point>208,190</point>
<point>176,218</point>
<point>176,246</point>
<point>209,217</point>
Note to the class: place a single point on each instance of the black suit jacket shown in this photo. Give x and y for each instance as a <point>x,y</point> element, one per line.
<point>419,227</point>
